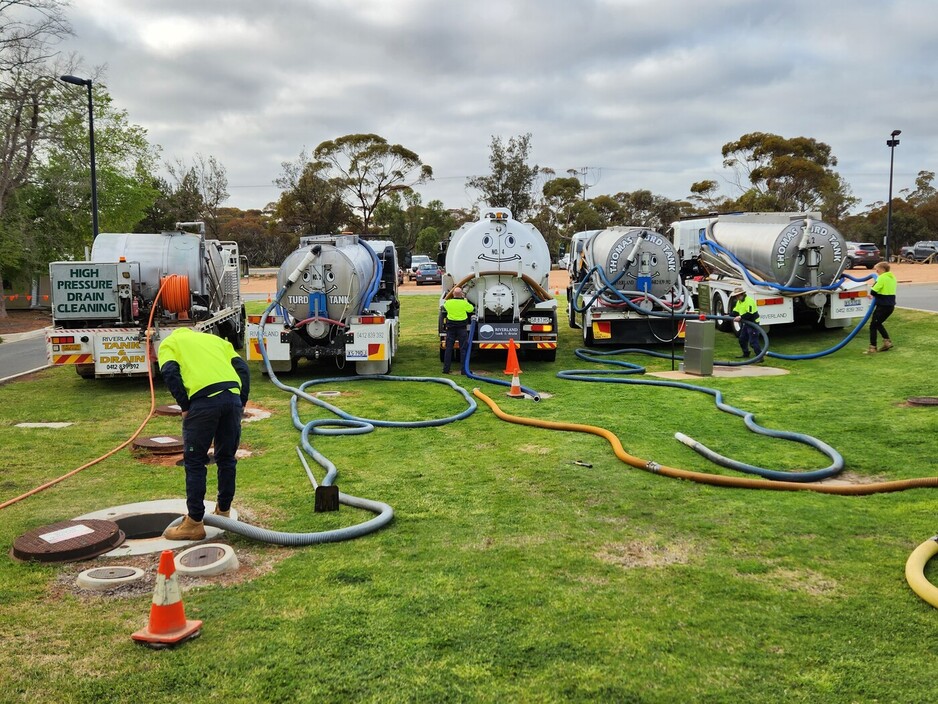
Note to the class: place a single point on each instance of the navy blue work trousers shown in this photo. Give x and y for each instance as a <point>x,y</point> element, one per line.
<point>455,333</point>
<point>212,420</point>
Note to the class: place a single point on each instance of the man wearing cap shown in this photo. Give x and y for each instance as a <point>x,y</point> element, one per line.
<point>746,309</point>
<point>457,310</point>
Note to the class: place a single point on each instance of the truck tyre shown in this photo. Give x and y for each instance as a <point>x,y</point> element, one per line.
<point>719,308</point>
<point>85,371</point>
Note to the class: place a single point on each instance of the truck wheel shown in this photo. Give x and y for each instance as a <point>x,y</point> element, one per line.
<point>571,313</point>
<point>237,336</point>
<point>85,371</point>
<point>547,355</point>
<point>719,308</point>
<point>588,335</point>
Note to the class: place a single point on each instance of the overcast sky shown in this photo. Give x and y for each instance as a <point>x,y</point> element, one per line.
<point>639,93</point>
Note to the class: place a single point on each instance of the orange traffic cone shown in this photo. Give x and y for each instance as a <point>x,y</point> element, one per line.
<point>512,367</point>
<point>168,624</point>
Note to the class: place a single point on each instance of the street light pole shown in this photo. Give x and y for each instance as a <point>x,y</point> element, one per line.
<point>892,144</point>
<point>75,81</point>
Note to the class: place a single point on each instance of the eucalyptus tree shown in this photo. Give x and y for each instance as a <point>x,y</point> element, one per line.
<point>511,181</point>
<point>369,169</point>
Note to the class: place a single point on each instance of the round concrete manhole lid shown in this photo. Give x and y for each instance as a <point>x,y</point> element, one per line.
<point>923,401</point>
<point>207,559</point>
<point>68,540</point>
<point>161,444</point>
<point>171,410</point>
<point>102,578</point>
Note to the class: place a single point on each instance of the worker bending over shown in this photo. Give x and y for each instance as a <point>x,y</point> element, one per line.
<point>746,308</point>
<point>211,384</point>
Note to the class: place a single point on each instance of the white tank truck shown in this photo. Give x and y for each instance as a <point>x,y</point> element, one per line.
<point>792,264</point>
<point>101,307</point>
<point>340,302</point>
<point>503,266</point>
<point>625,287</point>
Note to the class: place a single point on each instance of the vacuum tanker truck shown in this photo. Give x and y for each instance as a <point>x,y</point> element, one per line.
<point>792,264</point>
<point>101,308</point>
<point>625,287</point>
<point>339,302</point>
<point>503,266</point>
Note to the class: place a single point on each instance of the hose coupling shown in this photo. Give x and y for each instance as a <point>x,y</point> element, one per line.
<point>653,466</point>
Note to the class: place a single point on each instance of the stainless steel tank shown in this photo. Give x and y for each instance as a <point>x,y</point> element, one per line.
<point>633,259</point>
<point>333,285</point>
<point>802,252</point>
<point>159,255</point>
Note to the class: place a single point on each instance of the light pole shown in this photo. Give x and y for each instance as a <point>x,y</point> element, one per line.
<point>892,144</point>
<point>75,81</point>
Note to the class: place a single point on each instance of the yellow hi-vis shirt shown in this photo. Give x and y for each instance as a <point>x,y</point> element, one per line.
<point>203,359</point>
<point>458,310</point>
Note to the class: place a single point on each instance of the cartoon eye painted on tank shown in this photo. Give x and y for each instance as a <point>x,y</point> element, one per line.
<point>306,275</point>
<point>330,277</point>
<point>487,241</point>
<point>510,241</point>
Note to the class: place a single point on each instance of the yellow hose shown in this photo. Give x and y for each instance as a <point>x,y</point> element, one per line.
<point>915,571</point>
<point>712,479</point>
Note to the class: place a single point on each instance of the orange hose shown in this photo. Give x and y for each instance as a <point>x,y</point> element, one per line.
<point>171,280</point>
<point>702,477</point>
<point>175,290</point>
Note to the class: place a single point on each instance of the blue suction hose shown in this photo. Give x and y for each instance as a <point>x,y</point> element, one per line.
<point>626,368</point>
<point>501,382</point>
<point>345,424</point>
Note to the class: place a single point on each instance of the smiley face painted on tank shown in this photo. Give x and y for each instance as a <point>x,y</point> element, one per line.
<point>499,245</point>
<point>319,279</point>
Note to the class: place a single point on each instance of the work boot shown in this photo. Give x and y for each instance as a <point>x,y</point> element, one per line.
<point>187,530</point>
<point>871,350</point>
<point>219,512</point>
<point>887,345</point>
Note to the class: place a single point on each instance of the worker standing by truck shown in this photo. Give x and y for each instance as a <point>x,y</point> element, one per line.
<point>884,296</point>
<point>457,310</point>
<point>211,384</point>
<point>746,309</point>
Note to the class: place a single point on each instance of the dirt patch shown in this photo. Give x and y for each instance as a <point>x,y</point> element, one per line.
<point>646,553</point>
<point>18,321</point>
<point>789,580</point>
<point>255,561</point>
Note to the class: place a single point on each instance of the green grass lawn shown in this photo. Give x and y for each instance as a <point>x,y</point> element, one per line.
<point>509,573</point>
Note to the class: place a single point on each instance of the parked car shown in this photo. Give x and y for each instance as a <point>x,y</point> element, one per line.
<point>921,251</point>
<point>429,274</point>
<point>416,261</point>
<point>862,254</point>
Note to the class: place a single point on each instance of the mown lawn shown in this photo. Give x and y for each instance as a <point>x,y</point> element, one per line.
<point>509,573</point>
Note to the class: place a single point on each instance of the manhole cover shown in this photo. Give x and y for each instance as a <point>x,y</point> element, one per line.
<point>202,556</point>
<point>173,410</point>
<point>162,444</point>
<point>112,572</point>
<point>103,578</point>
<point>206,560</point>
<point>68,540</point>
<point>923,401</point>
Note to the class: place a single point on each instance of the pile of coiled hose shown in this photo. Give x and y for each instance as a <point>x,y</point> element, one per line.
<point>345,424</point>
